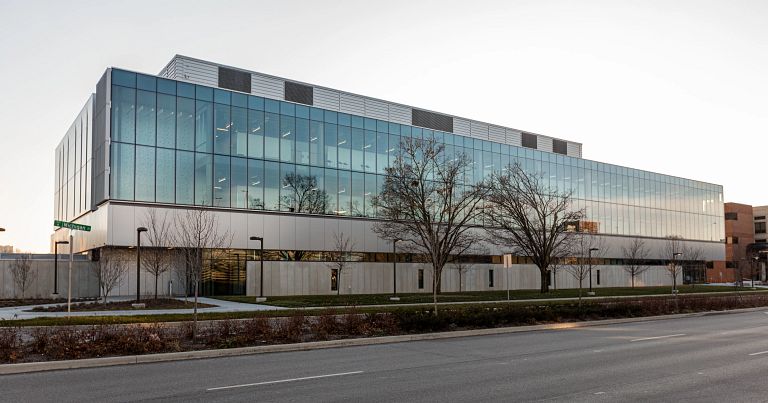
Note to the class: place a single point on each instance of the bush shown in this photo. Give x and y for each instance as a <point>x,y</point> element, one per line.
<point>11,347</point>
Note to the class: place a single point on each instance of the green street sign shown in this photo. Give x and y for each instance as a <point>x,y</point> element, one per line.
<point>70,225</point>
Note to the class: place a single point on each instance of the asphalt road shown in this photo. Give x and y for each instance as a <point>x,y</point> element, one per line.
<point>717,358</point>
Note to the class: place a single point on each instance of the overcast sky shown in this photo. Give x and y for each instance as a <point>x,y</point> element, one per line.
<point>676,87</point>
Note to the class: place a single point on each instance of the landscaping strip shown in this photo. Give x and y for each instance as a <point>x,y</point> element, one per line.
<point>203,354</point>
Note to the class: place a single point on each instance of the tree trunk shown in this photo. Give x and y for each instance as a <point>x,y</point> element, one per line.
<point>633,280</point>
<point>581,281</point>
<point>156,276</point>
<point>544,282</point>
<point>194,316</point>
<point>435,286</point>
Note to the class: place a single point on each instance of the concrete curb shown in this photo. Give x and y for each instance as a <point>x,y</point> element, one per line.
<point>6,369</point>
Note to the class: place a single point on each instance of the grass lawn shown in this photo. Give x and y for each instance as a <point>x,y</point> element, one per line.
<point>160,303</point>
<point>301,301</point>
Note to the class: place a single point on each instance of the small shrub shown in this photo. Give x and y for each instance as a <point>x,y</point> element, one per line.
<point>11,347</point>
<point>290,330</point>
<point>325,326</point>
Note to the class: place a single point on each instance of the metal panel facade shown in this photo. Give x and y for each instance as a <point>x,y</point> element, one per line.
<point>266,86</point>
<point>326,99</point>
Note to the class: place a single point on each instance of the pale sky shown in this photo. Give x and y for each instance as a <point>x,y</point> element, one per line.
<point>676,87</point>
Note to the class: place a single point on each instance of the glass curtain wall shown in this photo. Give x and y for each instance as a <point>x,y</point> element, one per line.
<point>175,142</point>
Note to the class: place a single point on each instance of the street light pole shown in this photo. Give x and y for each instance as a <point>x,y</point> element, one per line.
<point>69,283</point>
<point>138,261</point>
<point>261,266</point>
<point>674,270</point>
<point>56,265</point>
<point>394,271</point>
<point>590,269</point>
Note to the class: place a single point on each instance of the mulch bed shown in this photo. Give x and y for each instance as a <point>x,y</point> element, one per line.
<point>160,303</point>
<point>6,303</point>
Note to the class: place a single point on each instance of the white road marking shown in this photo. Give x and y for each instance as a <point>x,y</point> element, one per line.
<point>284,381</point>
<point>599,393</point>
<point>658,337</point>
<point>760,352</point>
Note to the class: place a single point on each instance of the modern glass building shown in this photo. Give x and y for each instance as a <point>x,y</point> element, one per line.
<point>203,135</point>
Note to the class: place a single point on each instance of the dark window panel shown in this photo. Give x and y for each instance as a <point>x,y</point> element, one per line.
<point>560,147</point>
<point>298,93</point>
<point>529,140</point>
<point>432,120</point>
<point>234,80</point>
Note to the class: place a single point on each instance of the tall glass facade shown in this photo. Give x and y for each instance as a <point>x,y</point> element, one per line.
<point>180,143</point>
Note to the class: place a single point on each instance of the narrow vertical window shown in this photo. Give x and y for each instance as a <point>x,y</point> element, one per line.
<point>421,279</point>
<point>334,279</point>
<point>490,278</point>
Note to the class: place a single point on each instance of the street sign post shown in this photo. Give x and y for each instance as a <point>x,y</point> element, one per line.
<point>71,225</point>
<point>76,227</point>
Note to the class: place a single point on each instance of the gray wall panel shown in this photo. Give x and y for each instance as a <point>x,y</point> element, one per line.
<point>514,138</point>
<point>544,143</point>
<point>352,104</point>
<point>327,99</point>
<point>461,126</point>
<point>400,114</point>
<point>376,109</point>
<point>497,134</point>
<point>266,86</point>
<point>478,130</point>
<point>574,149</point>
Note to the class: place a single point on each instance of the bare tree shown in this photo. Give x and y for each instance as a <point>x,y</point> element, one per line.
<point>694,256</point>
<point>301,194</point>
<point>635,258</point>
<point>182,270</point>
<point>22,273</point>
<point>462,268</point>
<point>109,269</point>
<point>674,250</point>
<point>156,259</point>
<point>425,204</point>
<point>584,247</point>
<point>340,257</point>
<point>195,231</point>
<point>530,218</point>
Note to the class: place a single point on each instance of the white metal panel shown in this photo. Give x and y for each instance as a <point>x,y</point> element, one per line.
<point>326,99</point>
<point>574,149</point>
<point>400,114</point>
<point>376,109</point>
<point>461,126</point>
<point>198,72</point>
<point>497,134</point>
<point>514,138</point>
<point>266,86</point>
<point>544,143</point>
<point>351,104</point>
<point>478,130</point>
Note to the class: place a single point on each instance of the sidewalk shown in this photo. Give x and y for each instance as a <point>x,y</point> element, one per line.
<point>25,312</point>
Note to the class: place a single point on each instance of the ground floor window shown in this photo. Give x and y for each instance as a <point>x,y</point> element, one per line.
<point>334,279</point>
<point>490,278</point>
<point>421,279</point>
<point>598,277</point>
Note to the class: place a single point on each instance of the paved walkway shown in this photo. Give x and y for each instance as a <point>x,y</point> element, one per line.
<point>25,312</point>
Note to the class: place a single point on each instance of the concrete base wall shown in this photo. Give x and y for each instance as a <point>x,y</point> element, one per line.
<point>84,283</point>
<point>314,278</point>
